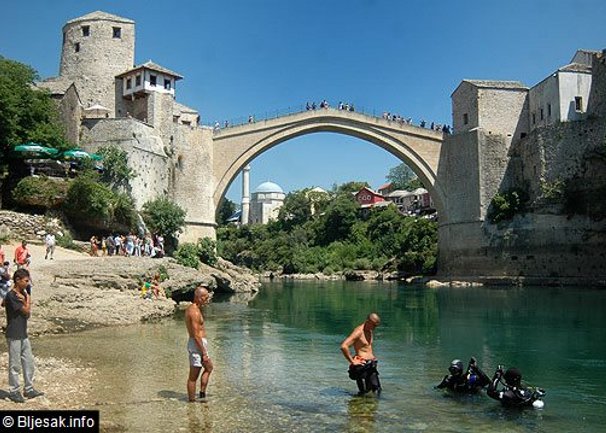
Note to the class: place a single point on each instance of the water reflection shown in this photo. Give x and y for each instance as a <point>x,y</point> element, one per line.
<point>279,367</point>
<point>361,412</point>
<point>199,417</point>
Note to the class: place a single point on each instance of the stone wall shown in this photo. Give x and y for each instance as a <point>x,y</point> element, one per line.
<point>596,106</point>
<point>193,180</point>
<point>70,109</point>
<point>18,226</point>
<point>504,112</point>
<point>146,153</point>
<point>557,158</point>
<point>562,236</point>
<point>496,110</point>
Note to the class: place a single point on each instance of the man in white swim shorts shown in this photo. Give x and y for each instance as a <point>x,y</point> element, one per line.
<point>197,346</point>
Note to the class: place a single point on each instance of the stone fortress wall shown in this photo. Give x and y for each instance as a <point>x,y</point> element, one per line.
<point>562,234</point>
<point>170,153</point>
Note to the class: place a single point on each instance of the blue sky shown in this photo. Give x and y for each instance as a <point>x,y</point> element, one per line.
<point>242,57</point>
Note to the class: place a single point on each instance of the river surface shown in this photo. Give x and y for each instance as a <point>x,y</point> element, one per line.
<point>278,367</point>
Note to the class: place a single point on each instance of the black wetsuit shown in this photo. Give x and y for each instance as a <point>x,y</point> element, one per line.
<point>366,376</point>
<point>511,396</point>
<point>469,383</point>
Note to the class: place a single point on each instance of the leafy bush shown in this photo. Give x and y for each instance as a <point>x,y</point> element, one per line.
<point>92,204</point>
<point>190,254</point>
<point>187,255</point>
<point>207,251</point>
<point>40,192</point>
<point>67,241</point>
<point>504,206</point>
<point>164,217</point>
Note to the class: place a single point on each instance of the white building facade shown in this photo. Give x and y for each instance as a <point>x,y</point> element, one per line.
<point>267,199</point>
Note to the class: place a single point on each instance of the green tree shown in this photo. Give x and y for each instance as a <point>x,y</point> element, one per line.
<point>417,246</point>
<point>296,209</point>
<point>402,177</point>
<point>336,222</point>
<point>116,172</point>
<point>164,217</point>
<point>349,187</point>
<point>384,225</point>
<point>226,210</point>
<point>26,113</point>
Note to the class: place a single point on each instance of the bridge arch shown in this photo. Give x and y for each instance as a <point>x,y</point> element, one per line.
<point>419,148</point>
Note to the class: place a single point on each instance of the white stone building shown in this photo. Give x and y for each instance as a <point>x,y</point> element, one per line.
<point>563,95</point>
<point>511,109</point>
<point>267,199</point>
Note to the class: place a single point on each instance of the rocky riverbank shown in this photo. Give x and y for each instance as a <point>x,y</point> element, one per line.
<point>75,291</point>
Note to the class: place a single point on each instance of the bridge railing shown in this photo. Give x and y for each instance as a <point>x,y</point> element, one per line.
<point>296,109</point>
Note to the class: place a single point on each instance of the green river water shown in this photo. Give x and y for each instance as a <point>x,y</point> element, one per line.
<point>278,367</point>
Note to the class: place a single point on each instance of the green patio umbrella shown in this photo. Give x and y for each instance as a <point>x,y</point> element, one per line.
<point>79,154</point>
<point>33,150</point>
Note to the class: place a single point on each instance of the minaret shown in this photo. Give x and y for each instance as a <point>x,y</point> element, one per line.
<point>245,194</point>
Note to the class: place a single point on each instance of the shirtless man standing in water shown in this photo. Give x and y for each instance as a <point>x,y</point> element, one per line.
<point>197,346</point>
<point>363,365</point>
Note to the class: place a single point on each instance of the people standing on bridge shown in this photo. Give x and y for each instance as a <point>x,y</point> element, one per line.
<point>197,345</point>
<point>363,365</point>
<point>251,119</point>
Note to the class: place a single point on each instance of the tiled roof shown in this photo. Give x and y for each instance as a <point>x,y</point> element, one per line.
<point>497,84</point>
<point>575,67</point>
<point>100,15</point>
<point>154,67</point>
<point>399,193</point>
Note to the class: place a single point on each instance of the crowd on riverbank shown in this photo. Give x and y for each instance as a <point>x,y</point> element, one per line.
<point>129,245</point>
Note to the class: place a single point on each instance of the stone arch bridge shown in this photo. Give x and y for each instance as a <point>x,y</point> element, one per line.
<point>419,148</point>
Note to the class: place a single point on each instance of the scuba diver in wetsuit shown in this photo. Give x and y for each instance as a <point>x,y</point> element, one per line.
<point>514,394</point>
<point>470,382</point>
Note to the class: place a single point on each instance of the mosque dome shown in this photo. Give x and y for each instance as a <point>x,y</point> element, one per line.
<point>269,187</point>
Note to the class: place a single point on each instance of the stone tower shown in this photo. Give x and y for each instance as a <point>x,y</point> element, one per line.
<point>245,195</point>
<point>97,47</point>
